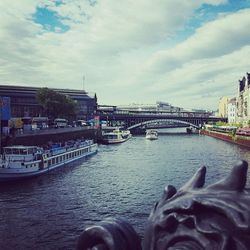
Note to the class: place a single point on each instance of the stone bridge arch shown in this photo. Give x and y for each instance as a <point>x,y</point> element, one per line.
<point>162,120</point>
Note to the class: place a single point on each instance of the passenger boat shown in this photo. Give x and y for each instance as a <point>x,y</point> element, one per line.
<point>240,136</point>
<point>151,134</point>
<point>116,136</point>
<point>243,131</point>
<point>18,162</point>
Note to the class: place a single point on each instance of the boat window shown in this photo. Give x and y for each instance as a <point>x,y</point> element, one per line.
<point>15,151</point>
<point>23,151</point>
<point>30,151</point>
<point>7,151</point>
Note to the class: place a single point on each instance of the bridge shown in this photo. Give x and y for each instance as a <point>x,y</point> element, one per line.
<point>132,119</point>
<point>161,122</point>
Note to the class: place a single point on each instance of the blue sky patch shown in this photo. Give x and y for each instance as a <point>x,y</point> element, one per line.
<point>207,13</point>
<point>49,20</point>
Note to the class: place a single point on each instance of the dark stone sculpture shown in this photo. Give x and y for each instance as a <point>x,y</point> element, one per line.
<point>111,234</point>
<point>192,218</point>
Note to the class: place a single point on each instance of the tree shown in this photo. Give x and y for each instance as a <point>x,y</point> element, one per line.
<point>56,104</point>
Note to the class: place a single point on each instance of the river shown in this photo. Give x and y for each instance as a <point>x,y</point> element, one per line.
<point>50,211</point>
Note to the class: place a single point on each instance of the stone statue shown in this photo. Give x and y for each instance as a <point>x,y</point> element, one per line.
<point>111,234</point>
<point>192,218</point>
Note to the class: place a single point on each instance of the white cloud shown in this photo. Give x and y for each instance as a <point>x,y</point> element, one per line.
<point>216,51</point>
<point>120,47</point>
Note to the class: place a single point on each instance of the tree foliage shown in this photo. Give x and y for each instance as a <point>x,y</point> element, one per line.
<point>56,104</point>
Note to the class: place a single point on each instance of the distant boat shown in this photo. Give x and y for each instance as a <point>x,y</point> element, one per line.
<point>19,162</point>
<point>151,134</point>
<point>116,135</point>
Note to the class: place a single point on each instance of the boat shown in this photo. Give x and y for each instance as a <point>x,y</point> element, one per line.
<point>115,135</point>
<point>151,134</point>
<point>19,162</point>
<point>229,134</point>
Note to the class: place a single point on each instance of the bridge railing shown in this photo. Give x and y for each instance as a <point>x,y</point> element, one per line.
<point>156,113</point>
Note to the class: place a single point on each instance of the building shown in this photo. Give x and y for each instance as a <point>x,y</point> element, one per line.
<point>231,110</point>
<point>159,106</point>
<point>243,100</point>
<point>223,106</point>
<point>23,101</point>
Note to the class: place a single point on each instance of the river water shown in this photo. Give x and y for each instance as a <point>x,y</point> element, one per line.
<point>122,181</point>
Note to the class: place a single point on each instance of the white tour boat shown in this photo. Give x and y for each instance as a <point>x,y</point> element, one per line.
<point>116,136</point>
<point>151,135</point>
<point>18,162</point>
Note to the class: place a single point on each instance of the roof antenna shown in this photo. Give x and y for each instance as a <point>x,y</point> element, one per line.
<point>83,82</point>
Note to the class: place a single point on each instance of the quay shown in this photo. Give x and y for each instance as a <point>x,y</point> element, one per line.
<point>236,139</point>
<point>42,137</point>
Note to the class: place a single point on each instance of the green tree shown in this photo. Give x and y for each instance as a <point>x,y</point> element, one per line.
<point>220,123</point>
<point>56,104</point>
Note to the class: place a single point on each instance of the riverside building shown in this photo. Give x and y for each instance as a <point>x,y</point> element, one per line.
<point>231,110</point>
<point>23,101</point>
<point>243,100</point>
<point>159,106</point>
<point>223,106</point>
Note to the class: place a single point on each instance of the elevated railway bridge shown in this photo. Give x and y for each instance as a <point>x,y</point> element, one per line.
<point>143,119</point>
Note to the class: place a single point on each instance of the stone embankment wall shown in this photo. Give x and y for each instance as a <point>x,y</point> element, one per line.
<point>43,137</point>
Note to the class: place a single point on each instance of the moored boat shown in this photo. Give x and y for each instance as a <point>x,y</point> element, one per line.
<point>151,134</point>
<point>230,134</point>
<point>19,162</point>
<point>116,136</point>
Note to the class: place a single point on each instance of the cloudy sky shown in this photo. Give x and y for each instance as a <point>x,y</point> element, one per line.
<point>185,52</point>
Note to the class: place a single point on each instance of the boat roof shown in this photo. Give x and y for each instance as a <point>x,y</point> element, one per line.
<point>111,128</point>
<point>20,147</point>
<point>244,129</point>
<point>112,133</point>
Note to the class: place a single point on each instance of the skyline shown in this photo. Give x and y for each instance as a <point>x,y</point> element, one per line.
<point>186,54</point>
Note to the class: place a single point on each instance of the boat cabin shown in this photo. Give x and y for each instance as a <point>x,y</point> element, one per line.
<point>25,153</point>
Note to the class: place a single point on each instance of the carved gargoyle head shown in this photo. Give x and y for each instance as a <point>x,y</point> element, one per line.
<point>197,217</point>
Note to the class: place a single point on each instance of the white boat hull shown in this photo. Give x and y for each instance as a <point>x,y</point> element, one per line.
<point>116,136</point>
<point>151,137</point>
<point>115,141</point>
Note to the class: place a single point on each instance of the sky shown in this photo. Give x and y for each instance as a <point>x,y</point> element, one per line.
<point>188,53</point>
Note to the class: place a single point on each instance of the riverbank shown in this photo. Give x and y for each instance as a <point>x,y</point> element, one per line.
<point>236,139</point>
<point>42,137</point>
